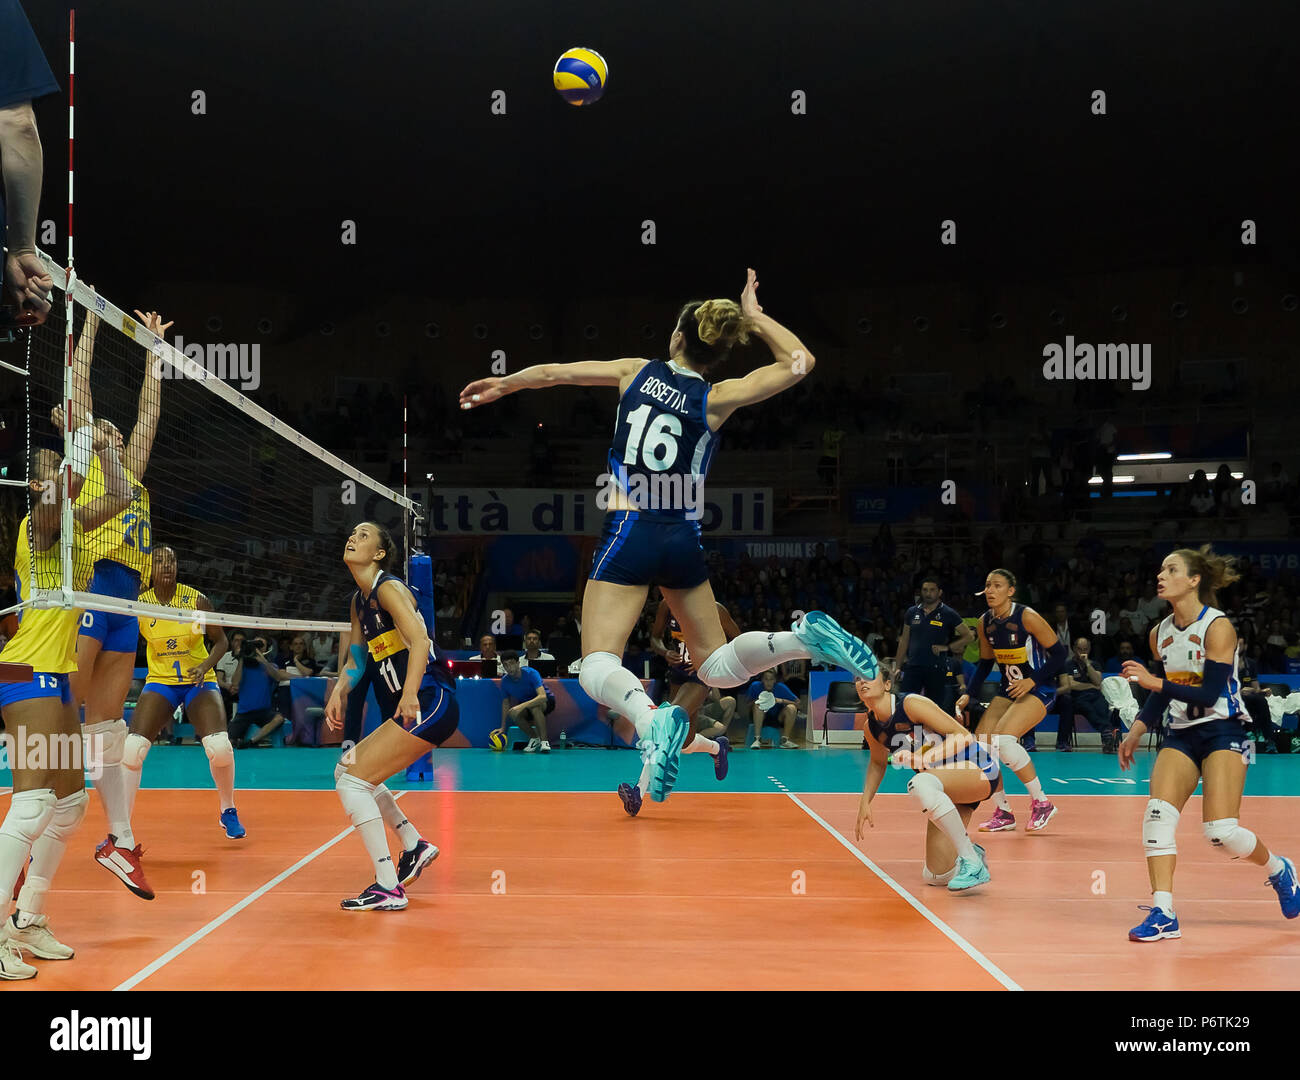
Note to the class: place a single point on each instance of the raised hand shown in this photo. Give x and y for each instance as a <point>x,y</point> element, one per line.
<point>749,304</point>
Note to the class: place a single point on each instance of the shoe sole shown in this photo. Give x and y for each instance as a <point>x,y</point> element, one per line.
<point>227,832</point>
<point>387,905</point>
<point>117,873</point>
<point>1158,937</point>
<point>972,885</point>
<point>44,955</point>
<point>1031,827</point>
<point>628,806</point>
<point>663,777</point>
<point>826,635</point>
<point>722,763</point>
<point>425,860</point>
<point>999,828</point>
<point>16,977</point>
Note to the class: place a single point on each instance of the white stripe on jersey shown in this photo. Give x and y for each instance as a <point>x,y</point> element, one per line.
<point>1183,654</point>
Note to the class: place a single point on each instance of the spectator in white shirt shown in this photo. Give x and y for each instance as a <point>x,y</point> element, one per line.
<point>533,648</point>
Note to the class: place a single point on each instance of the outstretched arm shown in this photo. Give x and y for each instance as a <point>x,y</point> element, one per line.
<point>146,418</point>
<point>791,361</point>
<point>580,373</point>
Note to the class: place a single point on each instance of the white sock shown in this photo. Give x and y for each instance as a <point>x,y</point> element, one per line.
<point>750,654</point>
<point>1015,757</point>
<point>1035,789</point>
<point>358,800</point>
<point>700,744</point>
<point>47,853</point>
<point>1000,800</point>
<point>224,777</point>
<point>1275,864</point>
<point>407,833</point>
<point>1164,901</point>
<point>937,805</point>
<point>644,782</point>
<point>604,678</point>
<point>949,821</point>
<point>112,783</point>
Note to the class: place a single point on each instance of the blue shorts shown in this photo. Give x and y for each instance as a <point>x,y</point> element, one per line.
<point>179,695</point>
<point>637,550</point>
<point>439,715</point>
<point>1045,694</point>
<point>114,632</point>
<point>679,676</point>
<point>1201,740</point>
<point>43,685</point>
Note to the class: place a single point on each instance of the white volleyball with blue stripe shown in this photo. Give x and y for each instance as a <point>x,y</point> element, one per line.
<point>580,76</point>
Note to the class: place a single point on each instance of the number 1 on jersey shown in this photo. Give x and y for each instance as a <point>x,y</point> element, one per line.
<point>389,672</point>
<point>660,448</point>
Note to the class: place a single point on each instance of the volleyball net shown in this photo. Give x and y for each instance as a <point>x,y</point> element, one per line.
<point>256,513</point>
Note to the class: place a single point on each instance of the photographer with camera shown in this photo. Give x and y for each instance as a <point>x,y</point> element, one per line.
<point>254,679</point>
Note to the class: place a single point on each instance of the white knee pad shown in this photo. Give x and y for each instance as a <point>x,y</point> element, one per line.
<point>937,879</point>
<point>30,813</point>
<point>104,742</point>
<point>1159,825</point>
<point>596,668</point>
<point>220,752</point>
<point>722,668</point>
<point>926,789</point>
<point>68,813</point>
<point>134,751</point>
<point>358,799</point>
<point>340,770</point>
<point>1014,756</point>
<point>1226,835</point>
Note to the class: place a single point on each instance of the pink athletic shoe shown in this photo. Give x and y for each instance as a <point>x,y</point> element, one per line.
<point>1040,813</point>
<point>1001,821</point>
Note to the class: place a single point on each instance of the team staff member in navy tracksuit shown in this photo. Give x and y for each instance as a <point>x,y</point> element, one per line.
<point>931,631</point>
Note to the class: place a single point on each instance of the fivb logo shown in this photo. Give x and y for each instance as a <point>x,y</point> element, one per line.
<point>229,363</point>
<point>653,491</point>
<point>1083,361</point>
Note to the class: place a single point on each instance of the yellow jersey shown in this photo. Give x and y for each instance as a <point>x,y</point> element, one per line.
<point>173,647</point>
<point>47,637</point>
<point>127,537</point>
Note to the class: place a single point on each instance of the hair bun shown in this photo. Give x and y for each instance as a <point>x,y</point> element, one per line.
<point>721,322</point>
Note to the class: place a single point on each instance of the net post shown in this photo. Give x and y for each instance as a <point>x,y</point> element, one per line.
<point>406,510</point>
<point>66,523</point>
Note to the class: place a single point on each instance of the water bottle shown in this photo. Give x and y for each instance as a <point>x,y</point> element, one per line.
<point>564,740</point>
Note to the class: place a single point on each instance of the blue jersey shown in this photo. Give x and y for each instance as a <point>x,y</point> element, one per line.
<point>1016,650</point>
<point>901,733</point>
<point>388,650</point>
<point>662,441</point>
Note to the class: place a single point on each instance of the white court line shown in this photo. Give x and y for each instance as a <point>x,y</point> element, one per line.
<point>231,912</point>
<point>943,927</point>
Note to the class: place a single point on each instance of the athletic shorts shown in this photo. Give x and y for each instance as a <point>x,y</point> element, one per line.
<point>179,695</point>
<point>550,704</point>
<point>1201,740</point>
<point>43,685</point>
<point>114,632</point>
<point>440,715</point>
<point>1045,694</point>
<point>635,550</point>
<point>679,676</point>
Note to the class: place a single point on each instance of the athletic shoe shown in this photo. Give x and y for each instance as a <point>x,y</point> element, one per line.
<point>830,643</point>
<point>970,872</point>
<point>1155,926</point>
<point>1108,742</point>
<point>36,939</point>
<point>125,865</point>
<point>720,760</point>
<point>1064,748</point>
<point>11,963</point>
<point>373,898</point>
<point>411,864</point>
<point>545,748</point>
<point>532,746</point>
<point>788,744</point>
<point>757,744</point>
<point>669,727</point>
<point>631,796</point>
<point>230,822</point>
<point>1040,813</point>
<point>1288,891</point>
<point>1001,821</point>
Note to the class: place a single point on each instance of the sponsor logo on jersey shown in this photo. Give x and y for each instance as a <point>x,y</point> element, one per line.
<point>1166,643</point>
<point>1194,639</point>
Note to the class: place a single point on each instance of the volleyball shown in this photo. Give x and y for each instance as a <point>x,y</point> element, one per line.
<point>497,740</point>
<point>580,76</point>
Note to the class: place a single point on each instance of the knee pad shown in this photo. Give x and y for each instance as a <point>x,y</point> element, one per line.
<point>220,752</point>
<point>30,813</point>
<point>1159,825</point>
<point>722,668</point>
<point>134,751</point>
<point>1226,835</point>
<point>937,879</point>
<point>104,741</point>
<point>1009,751</point>
<point>595,669</point>
<point>68,812</point>
<point>340,770</point>
<point>358,799</point>
<point>926,789</point>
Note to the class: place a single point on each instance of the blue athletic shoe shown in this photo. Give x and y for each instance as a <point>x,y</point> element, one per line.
<point>720,763</point>
<point>230,822</point>
<point>1155,926</point>
<point>1288,890</point>
<point>830,643</point>
<point>631,796</point>
<point>970,872</point>
<point>668,731</point>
